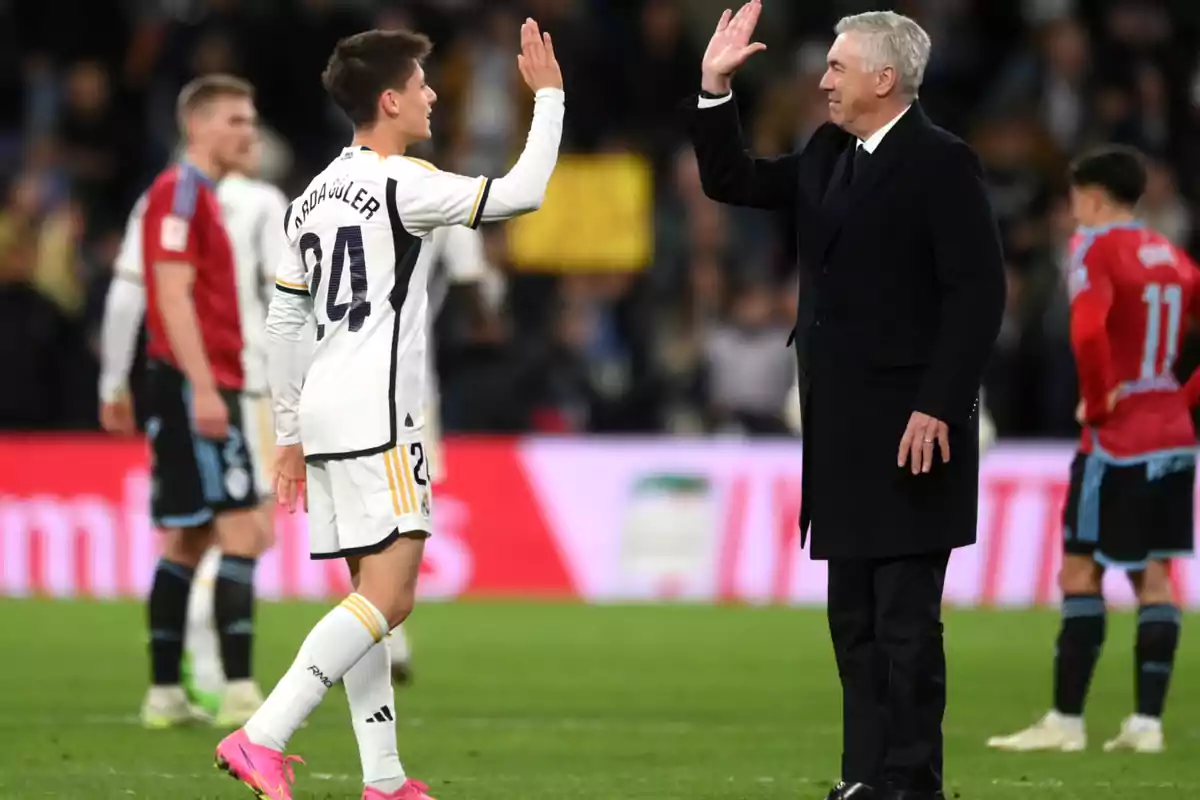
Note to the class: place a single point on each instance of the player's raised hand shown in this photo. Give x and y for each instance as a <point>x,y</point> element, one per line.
<point>730,47</point>
<point>290,476</point>
<point>536,62</point>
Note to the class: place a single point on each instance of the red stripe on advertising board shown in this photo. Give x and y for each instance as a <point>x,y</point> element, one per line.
<point>787,503</point>
<point>1002,492</point>
<point>513,551</point>
<point>733,532</point>
<point>1056,496</point>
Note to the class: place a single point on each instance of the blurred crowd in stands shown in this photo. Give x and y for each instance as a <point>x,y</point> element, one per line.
<point>694,341</point>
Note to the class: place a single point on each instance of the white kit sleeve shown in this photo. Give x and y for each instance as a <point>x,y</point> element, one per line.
<point>270,241</point>
<point>434,198</point>
<point>124,308</point>
<point>289,344</point>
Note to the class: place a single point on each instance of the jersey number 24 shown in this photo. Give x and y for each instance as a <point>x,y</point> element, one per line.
<point>347,248</point>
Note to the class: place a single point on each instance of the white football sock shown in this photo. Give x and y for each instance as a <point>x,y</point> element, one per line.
<point>200,639</point>
<point>334,645</point>
<point>372,710</point>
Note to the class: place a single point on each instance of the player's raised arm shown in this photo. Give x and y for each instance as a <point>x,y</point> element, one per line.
<point>289,350</point>
<point>441,198</point>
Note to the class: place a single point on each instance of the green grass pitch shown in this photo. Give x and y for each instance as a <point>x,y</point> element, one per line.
<point>555,702</point>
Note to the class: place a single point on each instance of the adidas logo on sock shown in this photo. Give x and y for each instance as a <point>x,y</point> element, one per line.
<point>382,715</point>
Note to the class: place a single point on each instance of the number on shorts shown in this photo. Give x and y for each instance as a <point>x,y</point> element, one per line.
<point>417,451</point>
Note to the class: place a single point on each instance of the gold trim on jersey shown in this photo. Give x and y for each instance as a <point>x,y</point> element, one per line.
<point>289,285</point>
<point>471,220</point>
<point>421,162</point>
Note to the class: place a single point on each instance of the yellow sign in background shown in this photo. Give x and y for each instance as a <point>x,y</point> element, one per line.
<point>598,216</point>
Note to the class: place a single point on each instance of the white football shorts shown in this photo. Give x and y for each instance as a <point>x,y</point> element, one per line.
<point>359,506</point>
<point>258,426</point>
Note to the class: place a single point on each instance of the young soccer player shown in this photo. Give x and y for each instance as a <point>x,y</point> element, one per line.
<point>202,470</point>
<point>350,420</point>
<point>252,212</point>
<point>1130,501</point>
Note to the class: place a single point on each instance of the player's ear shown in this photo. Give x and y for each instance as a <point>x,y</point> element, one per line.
<point>389,102</point>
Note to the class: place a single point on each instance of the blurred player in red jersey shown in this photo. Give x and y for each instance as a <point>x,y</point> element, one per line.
<point>1131,494</point>
<point>202,473</point>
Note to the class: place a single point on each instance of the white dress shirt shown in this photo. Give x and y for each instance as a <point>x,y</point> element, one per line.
<point>875,138</point>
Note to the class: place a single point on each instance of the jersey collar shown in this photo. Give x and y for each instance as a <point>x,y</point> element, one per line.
<point>1132,225</point>
<point>195,172</point>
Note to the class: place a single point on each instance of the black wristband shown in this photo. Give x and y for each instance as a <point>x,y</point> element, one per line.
<point>710,96</point>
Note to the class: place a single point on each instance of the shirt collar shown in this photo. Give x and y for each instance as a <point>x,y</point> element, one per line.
<point>192,169</point>
<point>1100,230</point>
<point>872,143</point>
<point>351,151</point>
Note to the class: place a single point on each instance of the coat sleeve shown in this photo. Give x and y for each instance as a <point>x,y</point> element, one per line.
<point>728,173</point>
<point>969,266</point>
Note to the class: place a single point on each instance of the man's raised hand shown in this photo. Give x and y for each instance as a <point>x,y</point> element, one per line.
<point>730,47</point>
<point>536,62</point>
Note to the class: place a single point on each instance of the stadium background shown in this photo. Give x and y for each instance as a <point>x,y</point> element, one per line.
<point>635,443</point>
<point>632,322</point>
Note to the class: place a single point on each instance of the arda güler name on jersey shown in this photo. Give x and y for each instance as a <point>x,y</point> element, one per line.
<point>360,200</point>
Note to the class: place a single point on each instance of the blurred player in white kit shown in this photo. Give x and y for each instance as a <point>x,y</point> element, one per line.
<point>253,216</point>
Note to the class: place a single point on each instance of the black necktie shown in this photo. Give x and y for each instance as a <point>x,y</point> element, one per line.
<point>861,157</point>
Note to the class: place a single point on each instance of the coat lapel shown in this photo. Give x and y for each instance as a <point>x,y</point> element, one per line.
<point>841,200</point>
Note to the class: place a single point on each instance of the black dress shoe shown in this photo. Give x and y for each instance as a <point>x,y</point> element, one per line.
<point>851,791</point>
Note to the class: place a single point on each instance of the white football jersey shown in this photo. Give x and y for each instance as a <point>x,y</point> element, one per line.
<point>355,248</point>
<point>354,265</point>
<point>253,214</point>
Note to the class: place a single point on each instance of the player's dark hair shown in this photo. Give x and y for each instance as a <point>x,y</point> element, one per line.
<point>366,64</point>
<point>203,90</point>
<point>1120,171</point>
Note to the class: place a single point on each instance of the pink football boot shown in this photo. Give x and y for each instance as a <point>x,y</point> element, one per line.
<point>411,790</point>
<point>267,772</point>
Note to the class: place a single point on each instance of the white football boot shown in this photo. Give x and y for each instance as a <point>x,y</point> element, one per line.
<point>1138,735</point>
<point>1054,732</point>
<point>166,707</point>
<point>238,704</point>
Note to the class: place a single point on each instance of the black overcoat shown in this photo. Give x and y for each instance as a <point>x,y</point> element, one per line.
<point>902,291</point>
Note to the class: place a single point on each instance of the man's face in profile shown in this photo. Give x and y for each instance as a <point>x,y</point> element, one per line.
<point>851,87</point>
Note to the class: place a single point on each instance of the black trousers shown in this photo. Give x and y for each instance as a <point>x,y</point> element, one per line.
<point>885,618</point>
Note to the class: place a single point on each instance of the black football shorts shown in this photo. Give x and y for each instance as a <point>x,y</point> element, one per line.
<point>1126,514</point>
<point>193,478</point>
